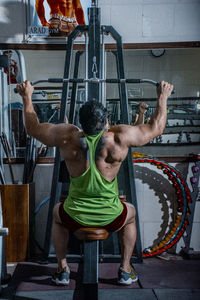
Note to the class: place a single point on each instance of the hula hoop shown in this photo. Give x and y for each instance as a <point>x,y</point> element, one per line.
<point>183,199</point>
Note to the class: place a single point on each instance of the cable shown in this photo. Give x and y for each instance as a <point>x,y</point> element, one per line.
<point>33,222</point>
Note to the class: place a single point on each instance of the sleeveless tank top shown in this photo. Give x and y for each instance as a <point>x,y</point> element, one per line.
<point>93,200</point>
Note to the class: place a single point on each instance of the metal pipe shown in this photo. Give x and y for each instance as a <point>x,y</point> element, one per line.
<point>103,70</point>
<point>2,178</point>
<point>7,151</point>
<point>86,66</point>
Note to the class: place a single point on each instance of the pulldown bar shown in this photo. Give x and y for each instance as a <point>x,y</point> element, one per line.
<point>95,80</point>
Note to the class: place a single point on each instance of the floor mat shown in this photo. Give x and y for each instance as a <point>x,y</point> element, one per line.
<point>180,274</point>
<point>36,277</point>
<point>32,276</point>
<point>153,273</point>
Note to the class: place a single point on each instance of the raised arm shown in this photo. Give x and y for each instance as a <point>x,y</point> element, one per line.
<point>79,13</point>
<point>49,134</point>
<point>139,118</point>
<point>142,134</point>
<point>41,12</point>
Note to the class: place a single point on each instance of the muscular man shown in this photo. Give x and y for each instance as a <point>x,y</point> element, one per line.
<point>65,15</point>
<point>12,70</point>
<point>139,118</point>
<point>93,157</point>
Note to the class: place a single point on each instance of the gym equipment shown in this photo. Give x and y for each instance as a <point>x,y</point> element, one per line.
<point>2,178</point>
<point>7,150</point>
<point>95,80</point>
<point>30,157</point>
<point>194,197</point>
<point>4,61</point>
<point>94,89</point>
<point>183,201</point>
<point>4,277</point>
<point>91,238</point>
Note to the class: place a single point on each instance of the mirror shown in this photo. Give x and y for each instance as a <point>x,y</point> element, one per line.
<point>177,66</point>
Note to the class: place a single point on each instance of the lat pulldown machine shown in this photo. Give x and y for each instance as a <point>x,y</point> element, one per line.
<point>94,80</point>
<point>94,89</point>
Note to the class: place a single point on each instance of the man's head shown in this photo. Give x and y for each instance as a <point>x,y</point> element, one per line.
<point>8,53</point>
<point>92,117</point>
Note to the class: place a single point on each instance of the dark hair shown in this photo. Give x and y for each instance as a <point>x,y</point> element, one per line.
<point>7,52</point>
<point>92,117</point>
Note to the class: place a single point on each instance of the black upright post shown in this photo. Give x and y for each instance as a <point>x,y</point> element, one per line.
<point>74,88</point>
<point>118,72</point>
<point>94,31</point>
<point>55,187</point>
<point>127,166</point>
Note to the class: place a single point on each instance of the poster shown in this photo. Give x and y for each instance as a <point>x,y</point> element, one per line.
<point>56,18</point>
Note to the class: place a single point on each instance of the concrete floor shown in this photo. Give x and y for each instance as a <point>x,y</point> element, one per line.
<point>158,280</point>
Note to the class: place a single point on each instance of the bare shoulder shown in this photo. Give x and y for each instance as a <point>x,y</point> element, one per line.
<point>66,131</point>
<point>119,132</point>
<point>115,148</point>
<point>59,134</point>
<point>130,136</point>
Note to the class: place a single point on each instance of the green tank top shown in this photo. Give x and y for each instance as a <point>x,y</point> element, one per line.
<point>93,200</point>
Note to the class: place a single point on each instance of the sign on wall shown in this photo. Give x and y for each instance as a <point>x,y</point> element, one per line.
<point>56,18</point>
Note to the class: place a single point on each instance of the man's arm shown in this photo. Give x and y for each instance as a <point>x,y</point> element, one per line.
<point>144,133</point>
<point>139,119</point>
<point>49,134</point>
<point>79,13</point>
<point>41,12</point>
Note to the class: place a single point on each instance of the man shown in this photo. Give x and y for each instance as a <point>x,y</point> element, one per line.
<point>93,157</point>
<point>65,15</point>
<point>139,118</point>
<point>12,70</point>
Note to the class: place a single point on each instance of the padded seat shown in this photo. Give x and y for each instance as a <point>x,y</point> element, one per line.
<point>91,234</point>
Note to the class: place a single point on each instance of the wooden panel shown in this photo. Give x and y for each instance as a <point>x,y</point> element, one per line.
<point>15,208</point>
<point>45,46</point>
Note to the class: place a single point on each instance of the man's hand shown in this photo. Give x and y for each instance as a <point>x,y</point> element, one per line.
<point>139,118</point>
<point>164,89</point>
<point>143,107</point>
<point>25,89</point>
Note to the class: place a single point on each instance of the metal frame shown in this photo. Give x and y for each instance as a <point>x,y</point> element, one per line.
<point>74,88</point>
<point>90,269</point>
<point>94,31</point>
<point>194,196</point>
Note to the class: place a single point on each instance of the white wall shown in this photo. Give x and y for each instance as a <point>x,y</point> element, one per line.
<point>178,66</point>
<point>12,21</point>
<point>144,21</point>
<point>138,21</point>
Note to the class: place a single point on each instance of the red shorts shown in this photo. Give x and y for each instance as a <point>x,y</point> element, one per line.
<point>72,225</point>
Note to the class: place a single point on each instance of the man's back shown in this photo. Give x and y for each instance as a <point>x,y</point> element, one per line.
<point>92,199</point>
<point>108,157</point>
